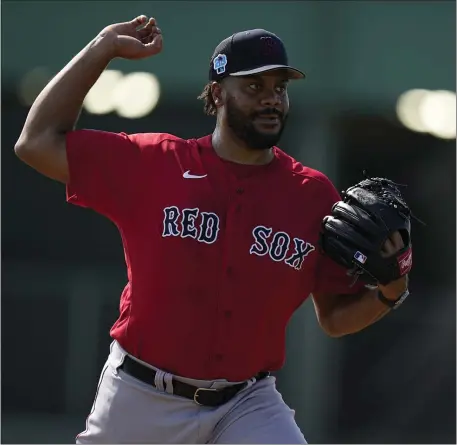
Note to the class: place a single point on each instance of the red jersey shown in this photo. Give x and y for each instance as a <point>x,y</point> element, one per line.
<point>219,255</point>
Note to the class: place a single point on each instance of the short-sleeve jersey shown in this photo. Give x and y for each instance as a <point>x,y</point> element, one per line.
<point>219,255</point>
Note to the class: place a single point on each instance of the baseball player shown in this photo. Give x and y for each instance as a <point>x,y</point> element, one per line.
<point>225,236</point>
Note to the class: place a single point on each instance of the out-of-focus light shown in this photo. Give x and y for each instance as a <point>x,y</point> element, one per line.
<point>408,109</point>
<point>131,96</point>
<point>136,95</point>
<point>437,111</point>
<point>32,84</point>
<point>99,100</point>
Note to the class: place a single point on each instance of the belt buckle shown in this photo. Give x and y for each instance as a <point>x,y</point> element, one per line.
<point>197,394</point>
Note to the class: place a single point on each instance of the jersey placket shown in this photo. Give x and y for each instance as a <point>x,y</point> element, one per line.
<point>226,308</point>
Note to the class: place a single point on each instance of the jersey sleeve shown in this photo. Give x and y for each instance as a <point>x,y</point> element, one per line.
<point>104,171</point>
<point>331,278</point>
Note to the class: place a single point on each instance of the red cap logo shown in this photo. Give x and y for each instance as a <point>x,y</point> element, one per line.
<point>268,45</point>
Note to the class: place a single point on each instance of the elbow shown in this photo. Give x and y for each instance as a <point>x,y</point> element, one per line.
<point>23,148</point>
<point>22,152</point>
<point>331,328</point>
<point>29,149</point>
<point>29,143</point>
<point>334,333</point>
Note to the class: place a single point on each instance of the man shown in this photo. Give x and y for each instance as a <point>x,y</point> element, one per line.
<point>218,259</point>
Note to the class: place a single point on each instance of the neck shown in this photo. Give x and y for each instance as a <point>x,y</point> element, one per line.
<point>229,147</point>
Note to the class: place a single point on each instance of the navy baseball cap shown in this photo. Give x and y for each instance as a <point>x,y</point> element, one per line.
<point>250,52</point>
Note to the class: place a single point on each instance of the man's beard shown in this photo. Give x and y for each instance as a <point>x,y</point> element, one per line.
<point>243,127</point>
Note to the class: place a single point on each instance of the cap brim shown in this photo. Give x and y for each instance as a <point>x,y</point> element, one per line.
<point>293,72</point>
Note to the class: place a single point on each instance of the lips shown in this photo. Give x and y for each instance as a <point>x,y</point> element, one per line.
<point>270,119</point>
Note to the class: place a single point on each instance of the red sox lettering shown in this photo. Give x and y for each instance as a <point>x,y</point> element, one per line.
<point>187,224</point>
<point>279,245</point>
<point>182,223</point>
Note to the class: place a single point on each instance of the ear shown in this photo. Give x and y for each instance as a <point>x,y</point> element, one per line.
<point>217,93</point>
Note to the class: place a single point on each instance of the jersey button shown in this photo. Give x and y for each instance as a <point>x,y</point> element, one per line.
<point>229,270</point>
<point>238,208</point>
<point>240,191</point>
<point>218,357</point>
<point>228,314</point>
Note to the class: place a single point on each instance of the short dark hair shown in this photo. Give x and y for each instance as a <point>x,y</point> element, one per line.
<point>209,107</point>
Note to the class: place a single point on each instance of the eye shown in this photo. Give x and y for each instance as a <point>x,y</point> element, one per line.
<point>281,89</point>
<point>254,86</point>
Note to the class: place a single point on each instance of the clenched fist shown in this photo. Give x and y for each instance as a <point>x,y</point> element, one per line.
<point>136,39</point>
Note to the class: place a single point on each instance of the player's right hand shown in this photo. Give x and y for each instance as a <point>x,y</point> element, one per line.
<point>136,39</point>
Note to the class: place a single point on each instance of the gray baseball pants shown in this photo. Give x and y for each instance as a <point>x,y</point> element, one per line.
<point>126,410</point>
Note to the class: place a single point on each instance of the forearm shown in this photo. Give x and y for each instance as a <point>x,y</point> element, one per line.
<point>56,109</point>
<point>352,313</point>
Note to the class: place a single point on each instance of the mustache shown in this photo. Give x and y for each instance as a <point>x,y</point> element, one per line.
<point>271,111</point>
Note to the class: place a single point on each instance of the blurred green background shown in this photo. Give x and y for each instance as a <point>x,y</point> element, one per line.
<point>63,267</point>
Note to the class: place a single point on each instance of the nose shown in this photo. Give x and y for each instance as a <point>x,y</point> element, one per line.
<point>271,99</point>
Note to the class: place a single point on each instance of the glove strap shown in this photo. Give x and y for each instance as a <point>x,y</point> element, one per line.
<point>394,304</point>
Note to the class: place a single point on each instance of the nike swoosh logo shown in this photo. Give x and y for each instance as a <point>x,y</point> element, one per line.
<point>188,175</point>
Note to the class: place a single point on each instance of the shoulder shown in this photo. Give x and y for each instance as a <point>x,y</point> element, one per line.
<point>163,141</point>
<point>123,142</point>
<point>307,178</point>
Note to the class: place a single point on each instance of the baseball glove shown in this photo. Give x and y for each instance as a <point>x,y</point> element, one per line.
<point>355,232</point>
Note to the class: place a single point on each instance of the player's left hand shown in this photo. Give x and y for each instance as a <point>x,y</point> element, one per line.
<point>354,235</point>
<point>394,289</point>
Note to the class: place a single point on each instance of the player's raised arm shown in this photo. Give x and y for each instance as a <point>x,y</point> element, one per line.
<point>42,143</point>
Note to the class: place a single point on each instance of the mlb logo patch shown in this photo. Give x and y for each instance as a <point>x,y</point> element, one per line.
<point>219,63</point>
<point>360,257</point>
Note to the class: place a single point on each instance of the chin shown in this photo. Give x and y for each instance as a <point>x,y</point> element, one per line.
<point>263,143</point>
